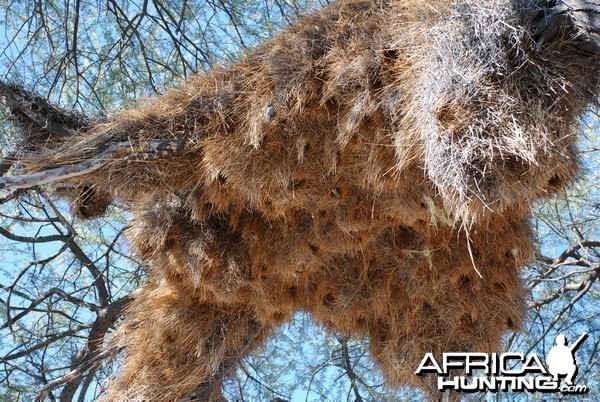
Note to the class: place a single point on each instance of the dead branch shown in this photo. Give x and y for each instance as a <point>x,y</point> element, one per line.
<point>570,252</point>
<point>29,239</point>
<point>153,149</point>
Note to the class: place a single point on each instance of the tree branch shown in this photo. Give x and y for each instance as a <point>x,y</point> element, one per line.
<point>583,15</point>
<point>204,391</point>
<point>105,319</point>
<point>82,257</point>
<point>562,260</point>
<point>37,113</point>
<point>581,287</point>
<point>28,239</point>
<point>75,373</point>
<point>152,149</point>
<point>343,340</point>
<point>39,300</point>
<point>47,342</point>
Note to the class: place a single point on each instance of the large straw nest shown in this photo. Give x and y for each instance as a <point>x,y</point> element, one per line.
<point>408,141</point>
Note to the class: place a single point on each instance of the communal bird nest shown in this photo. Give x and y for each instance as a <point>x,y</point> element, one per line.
<point>373,164</point>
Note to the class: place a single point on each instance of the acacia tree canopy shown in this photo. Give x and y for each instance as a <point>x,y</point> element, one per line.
<point>64,283</point>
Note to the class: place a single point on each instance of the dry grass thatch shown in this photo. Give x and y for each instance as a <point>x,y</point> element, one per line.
<point>360,166</point>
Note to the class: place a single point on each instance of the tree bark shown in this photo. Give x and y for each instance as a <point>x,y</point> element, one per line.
<point>581,15</point>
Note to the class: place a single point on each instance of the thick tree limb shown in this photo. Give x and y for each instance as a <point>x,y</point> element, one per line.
<point>583,15</point>
<point>154,149</point>
<point>85,359</point>
<point>36,112</point>
<point>570,252</point>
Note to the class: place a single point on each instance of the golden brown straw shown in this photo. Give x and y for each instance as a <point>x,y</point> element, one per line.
<point>363,165</point>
